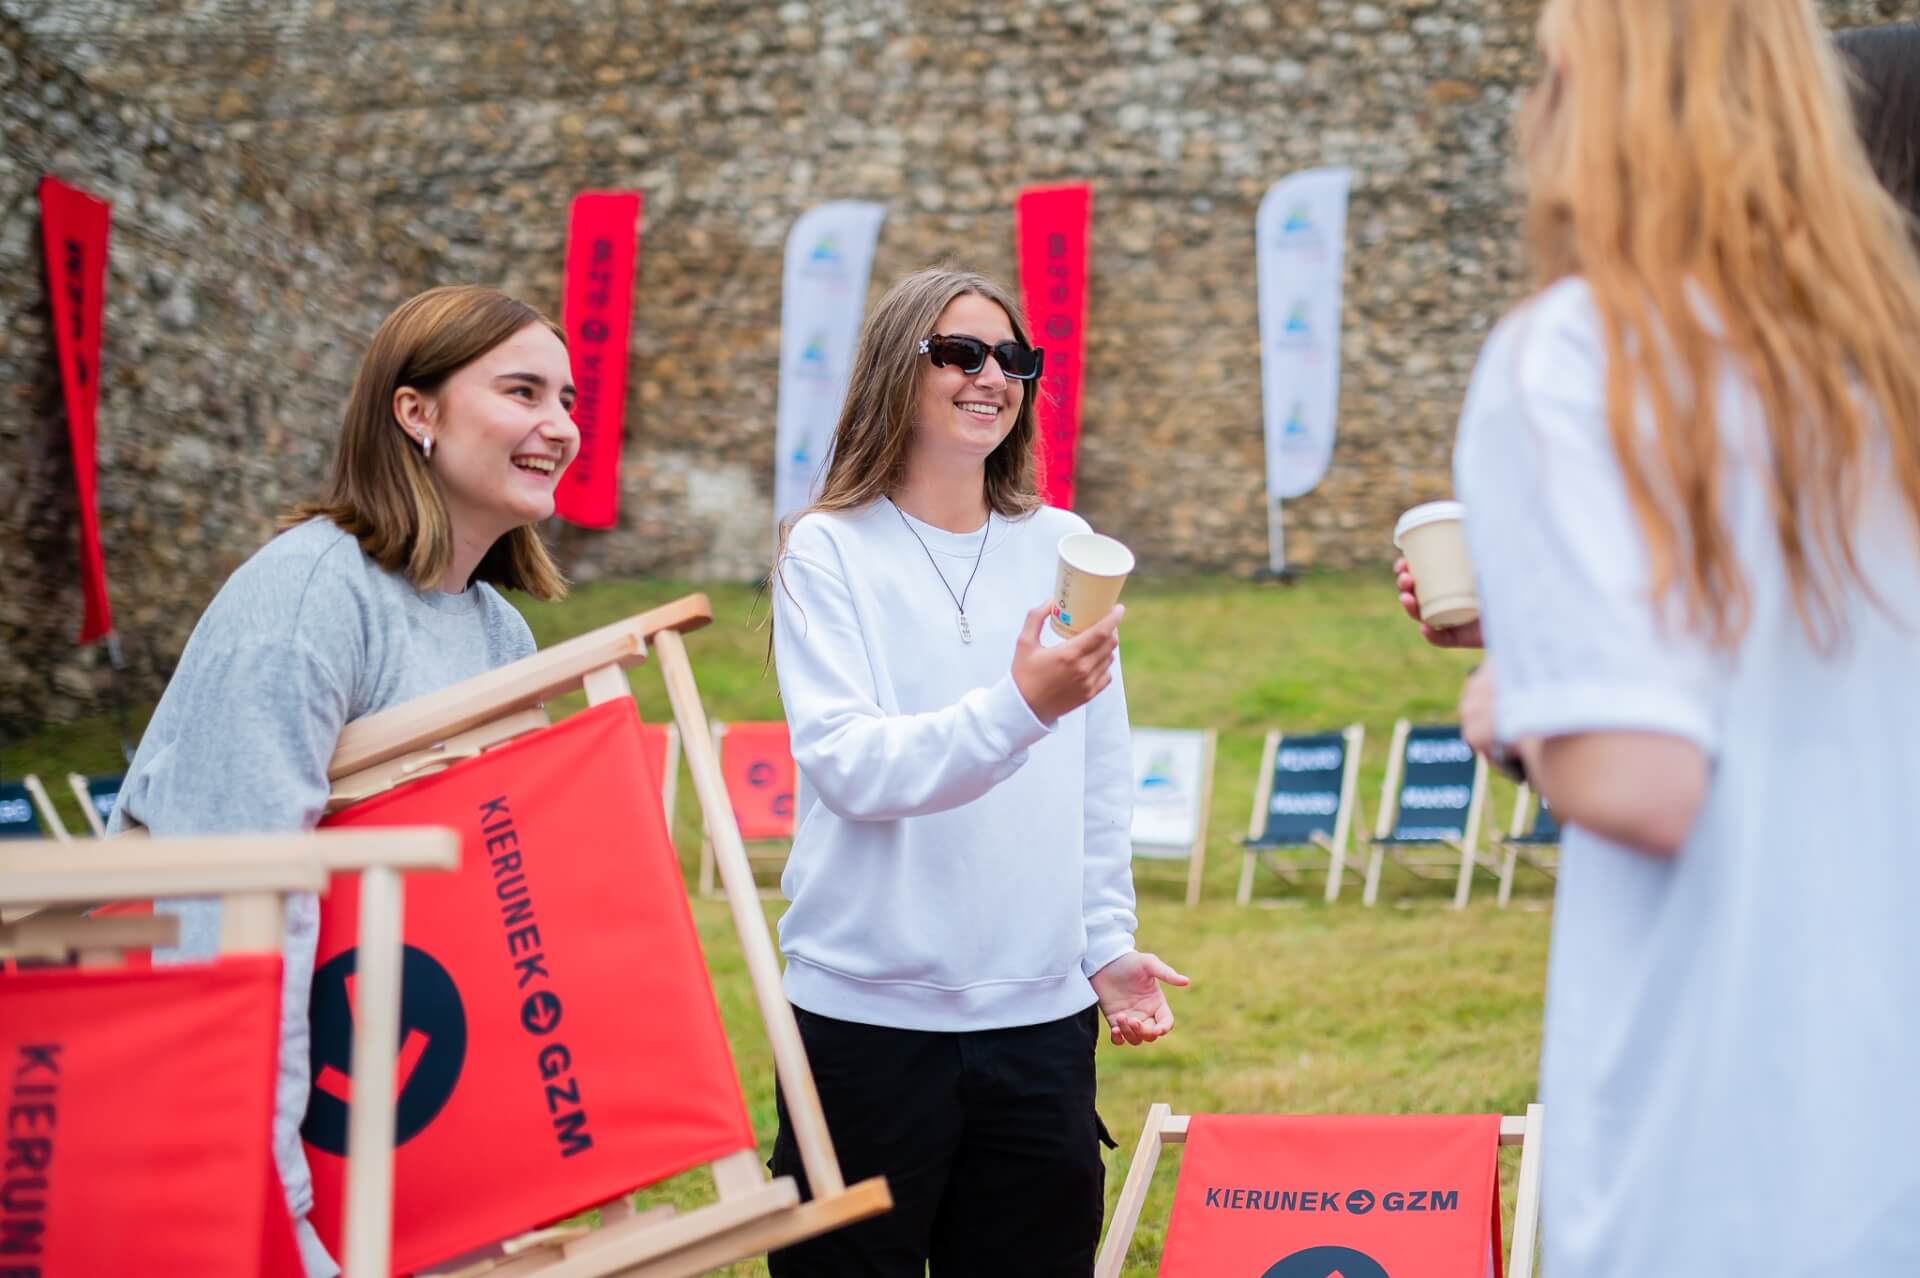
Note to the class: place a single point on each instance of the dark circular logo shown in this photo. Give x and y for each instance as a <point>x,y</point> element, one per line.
<point>1325,1262</point>
<point>760,775</point>
<point>540,1014</point>
<point>433,1047</point>
<point>1360,1202</point>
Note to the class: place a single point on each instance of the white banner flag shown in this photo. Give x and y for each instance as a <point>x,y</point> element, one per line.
<point>1300,235</point>
<point>823,294</point>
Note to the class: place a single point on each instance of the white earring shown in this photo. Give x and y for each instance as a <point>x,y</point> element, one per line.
<point>426,447</point>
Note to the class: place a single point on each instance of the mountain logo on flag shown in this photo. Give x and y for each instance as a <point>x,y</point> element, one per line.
<point>433,1047</point>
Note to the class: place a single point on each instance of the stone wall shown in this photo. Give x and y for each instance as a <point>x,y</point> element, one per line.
<point>453,134</point>
<point>238,300</point>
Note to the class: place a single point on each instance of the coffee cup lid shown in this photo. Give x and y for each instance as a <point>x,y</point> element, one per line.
<point>1430,513</point>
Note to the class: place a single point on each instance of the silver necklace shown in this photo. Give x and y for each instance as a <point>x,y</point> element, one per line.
<point>959,600</point>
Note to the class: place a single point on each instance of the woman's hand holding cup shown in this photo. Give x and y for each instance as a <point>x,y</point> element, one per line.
<point>1068,675</point>
<point>1467,636</point>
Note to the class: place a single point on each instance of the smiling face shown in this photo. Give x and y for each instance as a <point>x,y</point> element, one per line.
<point>502,433</point>
<point>962,417</point>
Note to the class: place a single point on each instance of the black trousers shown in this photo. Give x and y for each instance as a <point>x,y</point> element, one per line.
<point>988,1140</point>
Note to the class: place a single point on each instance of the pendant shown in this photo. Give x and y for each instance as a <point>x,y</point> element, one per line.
<point>966,631</point>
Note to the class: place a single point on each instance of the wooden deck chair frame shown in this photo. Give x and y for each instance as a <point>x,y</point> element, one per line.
<point>50,886</point>
<point>1164,1127</point>
<point>719,734</point>
<point>1466,847</point>
<point>752,1214</point>
<point>1197,850</point>
<point>1338,859</point>
<point>1515,849</point>
<point>43,804</point>
<point>670,775</point>
<point>84,796</point>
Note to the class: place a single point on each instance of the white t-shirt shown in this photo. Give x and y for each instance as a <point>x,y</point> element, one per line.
<point>956,863</point>
<point>1732,1045</point>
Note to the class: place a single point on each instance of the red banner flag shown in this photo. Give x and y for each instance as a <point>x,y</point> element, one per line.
<point>1051,226</point>
<point>757,761</point>
<point>74,227</point>
<point>559,1039</point>
<point>139,1122</point>
<point>1339,1197</point>
<point>603,231</point>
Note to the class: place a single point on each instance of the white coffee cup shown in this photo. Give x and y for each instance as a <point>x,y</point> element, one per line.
<point>1087,583</point>
<point>1433,537</point>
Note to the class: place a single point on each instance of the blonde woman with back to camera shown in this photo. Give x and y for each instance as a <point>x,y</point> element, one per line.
<point>1691,467</point>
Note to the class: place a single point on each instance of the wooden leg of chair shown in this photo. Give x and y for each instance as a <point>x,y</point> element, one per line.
<point>1372,892</point>
<point>1464,884</point>
<point>1506,873</point>
<point>1194,867</point>
<point>706,865</point>
<point>1244,893</point>
<point>1526,1198</point>
<point>376,1044</point>
<point>1336,865</point>
<point>750,921</point>
<point>1133,1195</point>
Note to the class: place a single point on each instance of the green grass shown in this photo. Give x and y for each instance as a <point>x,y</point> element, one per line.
<point>1305,1009</point>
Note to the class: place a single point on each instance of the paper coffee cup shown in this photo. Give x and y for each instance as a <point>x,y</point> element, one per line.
<point>1433,537</point>
<point>1087,583</point>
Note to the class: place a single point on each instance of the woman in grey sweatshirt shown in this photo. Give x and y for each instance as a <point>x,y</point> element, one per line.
<point>387,588</point>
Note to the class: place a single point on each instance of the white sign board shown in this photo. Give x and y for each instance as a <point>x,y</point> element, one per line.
<point>1169,785</point>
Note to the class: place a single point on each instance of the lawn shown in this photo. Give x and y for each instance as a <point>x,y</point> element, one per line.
<point>1306,1008</point>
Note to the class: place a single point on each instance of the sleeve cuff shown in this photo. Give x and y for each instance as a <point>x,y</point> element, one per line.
<point>1599,707</point>
<point>1012,718</point>
<point>1104,947</point>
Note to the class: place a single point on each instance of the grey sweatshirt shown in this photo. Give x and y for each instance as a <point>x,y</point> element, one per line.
<point>306,635</point>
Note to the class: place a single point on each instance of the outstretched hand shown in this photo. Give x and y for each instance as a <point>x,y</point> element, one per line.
<point>1133,1000</point>
<point>1467,636</point>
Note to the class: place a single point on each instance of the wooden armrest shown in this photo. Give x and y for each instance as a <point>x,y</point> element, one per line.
<point>520,686</point>
<point>43,872</point>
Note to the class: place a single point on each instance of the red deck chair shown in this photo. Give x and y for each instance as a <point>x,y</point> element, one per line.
<point>1303,1196</point>
<point>756,760</point>
<point>140,1100</point>
<point>564,1046</point>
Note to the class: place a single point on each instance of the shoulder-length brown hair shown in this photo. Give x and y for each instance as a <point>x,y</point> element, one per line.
<point>875,431</point>
<point>1706,152</point>
<point>382,490</point>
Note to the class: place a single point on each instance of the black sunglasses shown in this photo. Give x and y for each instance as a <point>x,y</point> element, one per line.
<point>969,355</point>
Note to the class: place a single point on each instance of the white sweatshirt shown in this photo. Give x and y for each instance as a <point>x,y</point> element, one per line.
<point>956,864</point>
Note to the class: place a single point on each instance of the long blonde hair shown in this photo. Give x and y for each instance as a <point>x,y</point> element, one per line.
<point>382,492</point>
<point>1704,152</point>
<point>874,435</point>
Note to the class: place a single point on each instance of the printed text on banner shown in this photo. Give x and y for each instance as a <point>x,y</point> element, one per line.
<point>602,245</point>
<point>1051,225</point>
<point>74,225</point>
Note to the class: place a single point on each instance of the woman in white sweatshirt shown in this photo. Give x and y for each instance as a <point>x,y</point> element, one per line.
<point>962,896</point>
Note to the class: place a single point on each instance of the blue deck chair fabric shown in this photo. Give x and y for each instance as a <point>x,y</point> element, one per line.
<point>1305,803</point>
<point>1304,797</point>
<point>99,794</point>
<point>1431,811</point>
<point>17,819</point>
<point>1545,829</point>
<point>1537,844</point>
<point>1436,787</point>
